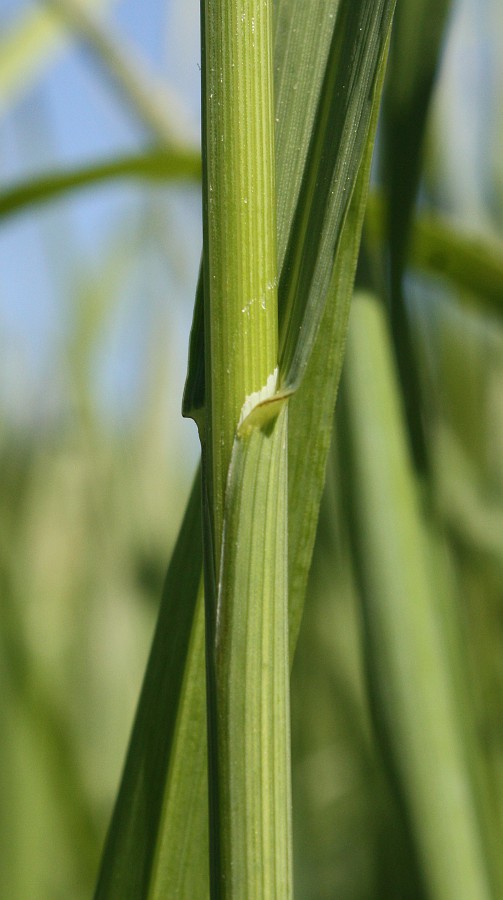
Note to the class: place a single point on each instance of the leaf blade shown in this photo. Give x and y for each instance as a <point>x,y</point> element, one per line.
<point>156,166</point>
<point>130,847</point>
<point>342,121</point>
<point>408,643</point>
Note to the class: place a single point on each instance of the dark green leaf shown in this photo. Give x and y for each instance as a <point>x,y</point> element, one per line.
<point>131,845</point>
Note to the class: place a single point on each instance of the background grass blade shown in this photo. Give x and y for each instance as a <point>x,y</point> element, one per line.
<point>470,263</point>
<point>28,46</point>
<point>414,59</point>
<point>419,707</point>
<point>150,100</point>
<point>160,165</point>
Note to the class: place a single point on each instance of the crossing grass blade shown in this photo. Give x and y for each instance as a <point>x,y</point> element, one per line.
<point>160,165</point>
<point>28,46</point>
<point>311,407</point>
<point>469,263</point>
<point>303,48</point>
<point>151,101</point>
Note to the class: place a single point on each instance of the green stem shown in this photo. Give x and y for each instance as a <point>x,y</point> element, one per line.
<point>253,673</point>
<point>245,468</point>
<point>239,220</point>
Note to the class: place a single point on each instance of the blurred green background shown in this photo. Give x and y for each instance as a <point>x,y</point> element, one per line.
<point>96,461</point>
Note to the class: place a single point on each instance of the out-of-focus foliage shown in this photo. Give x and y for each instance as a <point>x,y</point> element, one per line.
<point>91,489</point>
<point>90,504</point>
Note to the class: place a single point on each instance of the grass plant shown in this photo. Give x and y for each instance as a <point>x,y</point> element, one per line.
<point>367,763</point>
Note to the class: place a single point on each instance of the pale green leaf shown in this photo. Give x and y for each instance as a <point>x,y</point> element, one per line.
<point>183,825</point>
<point>151,101</point>
<point>29,45</point>
<point>408,639</point>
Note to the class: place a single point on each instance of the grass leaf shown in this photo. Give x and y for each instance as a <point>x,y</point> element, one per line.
<point>28,46</point>
<point>131,844</point>
<point>469,263</point>
<point>151,101</point>
<point>420,709</point>
<point>161,165</point>
<point>414,59</point>
<point>312,407</point>
<point>337,143</point>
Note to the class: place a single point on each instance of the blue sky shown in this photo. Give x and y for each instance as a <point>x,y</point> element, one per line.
<point>70,115</point>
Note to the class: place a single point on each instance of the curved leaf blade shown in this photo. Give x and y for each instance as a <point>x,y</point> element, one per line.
<point>164,165</point>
